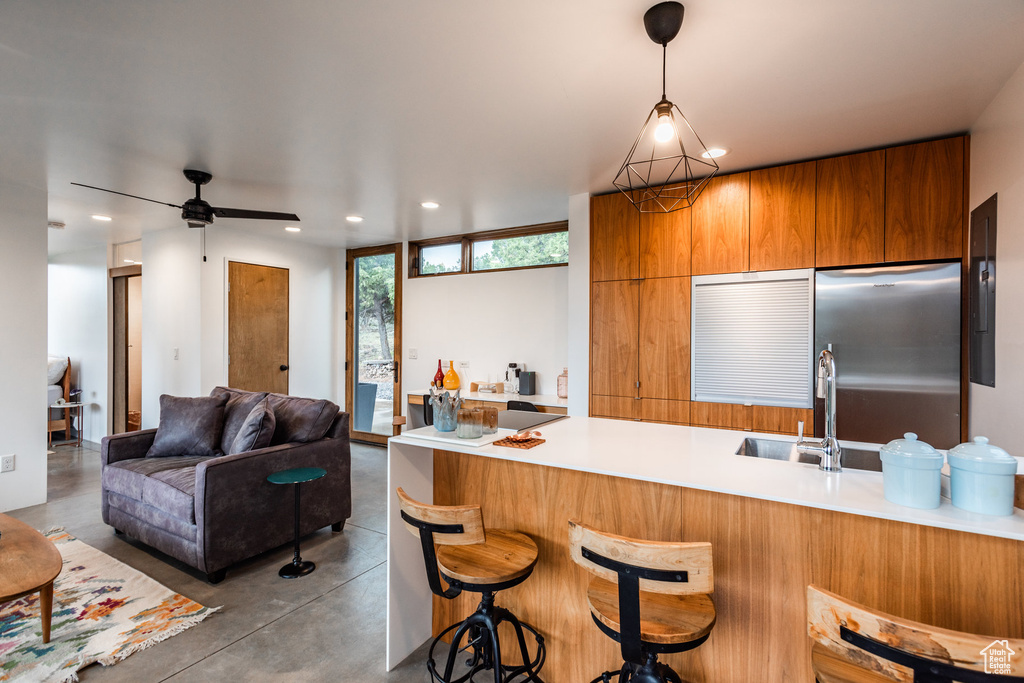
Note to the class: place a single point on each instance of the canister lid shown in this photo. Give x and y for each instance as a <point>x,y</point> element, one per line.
<point>980,456</point>
<point>909,452</point>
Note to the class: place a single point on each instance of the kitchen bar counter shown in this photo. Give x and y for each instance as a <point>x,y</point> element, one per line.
<point>775,527</point>
<point>542,401</point>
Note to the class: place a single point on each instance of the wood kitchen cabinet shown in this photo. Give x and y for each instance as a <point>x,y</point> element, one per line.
<point>782,217</point>
<point>618,407</point>
<point>614,330</point>
<point>669,412</point>
<point>924,200</point>
<point>665,338</point>
<point>614,238</point>
<point>665,244</point>
<point>720,240</point>
<point>850,210</point>
<point>723,415</point>
<point>782,420</point>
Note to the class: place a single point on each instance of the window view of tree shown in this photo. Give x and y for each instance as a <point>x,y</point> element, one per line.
<point>443,258</point>
<point>517,252</point>
<point>377,304</point>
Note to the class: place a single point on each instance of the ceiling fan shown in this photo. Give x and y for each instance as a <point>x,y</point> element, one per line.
<point>198,213</point>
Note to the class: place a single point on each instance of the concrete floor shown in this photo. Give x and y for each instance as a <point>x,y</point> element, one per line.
<point>329,625</point>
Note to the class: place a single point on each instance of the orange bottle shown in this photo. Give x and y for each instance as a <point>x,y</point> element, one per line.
<point>451,378</point>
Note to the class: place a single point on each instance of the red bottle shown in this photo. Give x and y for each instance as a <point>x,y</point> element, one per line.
<point>439,377</point>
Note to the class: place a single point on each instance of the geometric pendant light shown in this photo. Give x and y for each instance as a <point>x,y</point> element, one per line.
<point>665,170</point>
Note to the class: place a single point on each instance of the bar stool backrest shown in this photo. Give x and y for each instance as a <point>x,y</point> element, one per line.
<point>878,642</point>
<point>690,560</point>
<point>449,524</point>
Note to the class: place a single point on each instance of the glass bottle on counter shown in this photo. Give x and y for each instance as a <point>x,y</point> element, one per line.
<point>438,382</point>
<point>451,378</point>
<point>563,384</point>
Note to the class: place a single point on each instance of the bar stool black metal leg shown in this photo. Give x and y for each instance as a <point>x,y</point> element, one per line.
<point>297,567</point>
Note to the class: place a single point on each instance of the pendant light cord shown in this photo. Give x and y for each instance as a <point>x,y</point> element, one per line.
<point>664,55</point>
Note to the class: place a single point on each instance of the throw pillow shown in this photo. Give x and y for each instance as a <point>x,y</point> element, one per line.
<point>301,420</point>
<point>189,426</point>
<point>236,412</point>
<point>257,430</point>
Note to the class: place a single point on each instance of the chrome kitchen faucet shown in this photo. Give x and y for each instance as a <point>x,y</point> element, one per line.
<point>828,449</point>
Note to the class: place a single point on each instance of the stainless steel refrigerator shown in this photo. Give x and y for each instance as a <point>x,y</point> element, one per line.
<point>895,334</point>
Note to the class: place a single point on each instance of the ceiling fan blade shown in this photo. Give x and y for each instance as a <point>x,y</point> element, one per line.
<point>245,213</point>
<point>123,194</point>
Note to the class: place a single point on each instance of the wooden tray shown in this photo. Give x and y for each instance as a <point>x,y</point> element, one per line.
<point>529,443</point>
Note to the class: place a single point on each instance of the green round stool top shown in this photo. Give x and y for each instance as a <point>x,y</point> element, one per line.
<point>297,475</point>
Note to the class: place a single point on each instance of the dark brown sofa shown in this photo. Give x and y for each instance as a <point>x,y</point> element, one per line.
<point>213,511</point>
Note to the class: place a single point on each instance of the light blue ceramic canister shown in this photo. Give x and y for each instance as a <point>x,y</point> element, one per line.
<point>981,477</point>
<point>911,472</point>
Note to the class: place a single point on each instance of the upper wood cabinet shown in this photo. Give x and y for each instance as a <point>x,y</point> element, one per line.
<point>665,338</point>
<point>614,319</point>
<point>614,238</point>
<point>924,200</point>
<point>850,210</point>
<point>782,217</point>
<point>665,244</point>
<point>721,226</point>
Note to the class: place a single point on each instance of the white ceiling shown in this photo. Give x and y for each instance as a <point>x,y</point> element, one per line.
<point>499,111</point>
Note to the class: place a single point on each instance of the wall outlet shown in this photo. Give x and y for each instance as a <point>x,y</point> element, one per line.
<point>413,354</point>
<point>7,463</point>
<point>175,353</point>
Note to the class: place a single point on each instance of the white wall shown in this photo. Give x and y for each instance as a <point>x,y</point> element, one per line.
<point>579,304</point>
<point>172,261</point>
<point>23,346</point>
<point>488,319</point>
<point>78,328</point>
<point>311,308</point>
<point>997,166</point>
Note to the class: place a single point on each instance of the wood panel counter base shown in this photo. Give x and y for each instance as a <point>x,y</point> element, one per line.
<point>765,555</point>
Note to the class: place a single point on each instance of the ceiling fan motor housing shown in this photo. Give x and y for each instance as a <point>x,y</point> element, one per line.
<point>197,213</point>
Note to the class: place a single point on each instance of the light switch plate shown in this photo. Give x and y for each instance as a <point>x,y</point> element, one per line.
<point>463,365</point>
<point>414,354</point>
<point>7,463</point>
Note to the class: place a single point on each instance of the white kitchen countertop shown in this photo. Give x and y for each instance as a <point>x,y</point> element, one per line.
<point>700,458</point>
<point>550,400</point>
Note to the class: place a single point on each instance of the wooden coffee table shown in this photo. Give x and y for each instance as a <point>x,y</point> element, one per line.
<point>29,562</point>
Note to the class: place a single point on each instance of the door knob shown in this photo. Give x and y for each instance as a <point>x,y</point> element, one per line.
<point>283,368</point>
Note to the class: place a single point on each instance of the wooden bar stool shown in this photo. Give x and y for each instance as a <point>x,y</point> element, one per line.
<point>650,597</point>
<point>472,559</point>
<point>856,644</point>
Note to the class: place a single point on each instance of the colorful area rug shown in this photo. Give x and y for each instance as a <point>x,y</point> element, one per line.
<point>103,611</point>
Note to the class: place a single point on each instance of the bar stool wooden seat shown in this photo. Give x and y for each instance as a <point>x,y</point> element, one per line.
<point>857,644</point>
<point>470,558</point>
<point>650,597</point>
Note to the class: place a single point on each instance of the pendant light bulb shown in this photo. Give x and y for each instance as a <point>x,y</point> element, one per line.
<point>665,130</point>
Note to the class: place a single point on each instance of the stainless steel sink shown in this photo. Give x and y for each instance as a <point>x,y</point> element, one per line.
<point>853,458</point>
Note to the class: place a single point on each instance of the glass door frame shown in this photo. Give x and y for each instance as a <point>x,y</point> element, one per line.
<point>351,374</point>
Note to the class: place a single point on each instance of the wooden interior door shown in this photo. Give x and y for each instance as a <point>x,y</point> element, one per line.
<point>257,327</point>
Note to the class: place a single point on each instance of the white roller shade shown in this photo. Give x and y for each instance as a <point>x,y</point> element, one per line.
<point>752,336</point>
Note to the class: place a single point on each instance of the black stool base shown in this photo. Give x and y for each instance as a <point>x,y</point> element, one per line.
<point>483,649</point>
<point>651,672</point>
<point>294,570</point>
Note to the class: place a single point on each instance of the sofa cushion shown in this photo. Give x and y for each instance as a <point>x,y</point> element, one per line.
<point>166,483</point>
<point>301,419</point>
<point>257,430</point>
<point>236,412</point>
<point>189,426</point>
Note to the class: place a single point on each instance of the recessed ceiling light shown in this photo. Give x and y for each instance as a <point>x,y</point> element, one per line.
<point>429,205</point>
<point>98,217</point>
<point>354,219</point>
<point>292,228</point>
<point>715,152</point>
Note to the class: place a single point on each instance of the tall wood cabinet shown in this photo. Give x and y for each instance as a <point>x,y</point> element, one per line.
<point>904,203</point>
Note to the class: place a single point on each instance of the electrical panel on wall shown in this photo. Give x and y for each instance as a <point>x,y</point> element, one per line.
<point>982,342</point>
